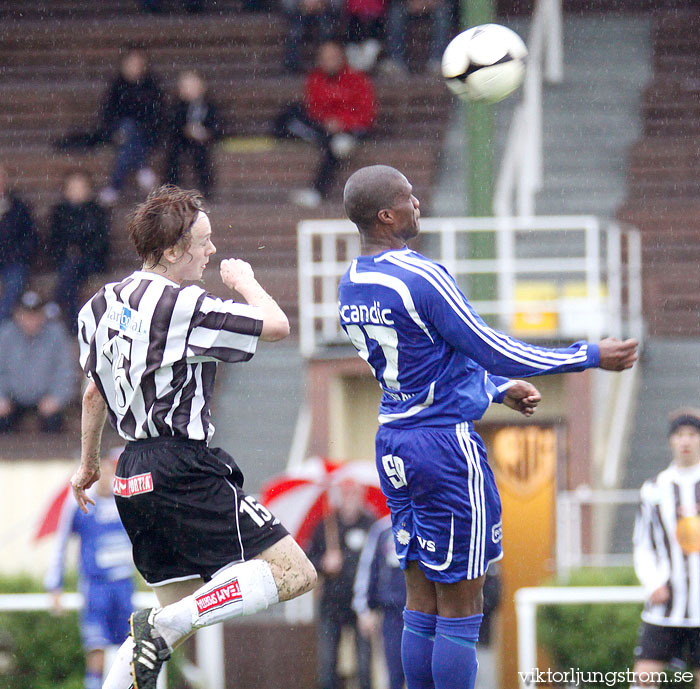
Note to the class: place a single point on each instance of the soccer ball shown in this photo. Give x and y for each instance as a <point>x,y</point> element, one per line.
<point>485,63</point>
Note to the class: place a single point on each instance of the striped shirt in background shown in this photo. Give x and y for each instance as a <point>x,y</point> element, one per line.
<point>667,545</point>
<point>151,347</point>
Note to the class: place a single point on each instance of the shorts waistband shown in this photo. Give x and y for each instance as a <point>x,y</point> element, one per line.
<point>174,440</point>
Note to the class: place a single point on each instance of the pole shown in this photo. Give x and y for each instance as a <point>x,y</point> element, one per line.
<point>479,157</point>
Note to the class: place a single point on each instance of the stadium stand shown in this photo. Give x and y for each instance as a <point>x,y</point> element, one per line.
<point>57,59</point>
<point>55,75</point>
<point>663,197</point>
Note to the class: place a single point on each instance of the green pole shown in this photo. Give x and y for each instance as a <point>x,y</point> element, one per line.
<point>479,158</point>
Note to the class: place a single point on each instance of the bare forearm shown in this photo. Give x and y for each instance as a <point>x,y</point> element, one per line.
<point>94,415</point>
<point>238,275</point>
<point>93,420</point>
<point>275,322</point>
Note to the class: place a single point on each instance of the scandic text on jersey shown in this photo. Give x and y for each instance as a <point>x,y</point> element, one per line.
<point>361,313</point>
<point>227,593</point>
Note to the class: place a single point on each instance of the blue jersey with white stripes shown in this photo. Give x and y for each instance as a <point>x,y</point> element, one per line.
<point>436,360</point>
<point>105,549</point>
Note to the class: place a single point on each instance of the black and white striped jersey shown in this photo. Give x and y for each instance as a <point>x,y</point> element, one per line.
<point>151,346</point>
<point>667,545</point>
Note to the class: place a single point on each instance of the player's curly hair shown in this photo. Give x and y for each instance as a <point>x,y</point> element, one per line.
<point>164,220</point>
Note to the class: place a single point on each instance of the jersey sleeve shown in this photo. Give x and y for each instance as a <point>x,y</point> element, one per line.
<point>650,559</point>
<point>224,330</point>
<point>53,580</point>
<point>451,314</point>
<point>497,387</point>
<point>365,574</point>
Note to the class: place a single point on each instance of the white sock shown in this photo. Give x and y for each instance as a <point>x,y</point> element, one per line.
<point>241,589</point>
<point>119,676</point>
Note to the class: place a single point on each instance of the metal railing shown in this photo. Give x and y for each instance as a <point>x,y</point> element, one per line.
<point>570,551</point>
<point>520,174</point>
<point>527,600</point>
<point>563,250</point>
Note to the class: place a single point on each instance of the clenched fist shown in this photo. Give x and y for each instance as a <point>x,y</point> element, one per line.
<point>523,397</point>
<point>235,272</point>
<point>617,355</point>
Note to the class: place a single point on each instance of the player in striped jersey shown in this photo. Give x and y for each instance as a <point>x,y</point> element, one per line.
<point>150,347</point>
<point>667,553</point>
<point>439,366</point>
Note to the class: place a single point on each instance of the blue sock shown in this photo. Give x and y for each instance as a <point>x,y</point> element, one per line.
<point>454,653</point>
<point>93,680</point>
<point>417,649</point>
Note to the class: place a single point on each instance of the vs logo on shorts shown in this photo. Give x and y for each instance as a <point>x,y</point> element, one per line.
<point>230,592</point>
<point>497,532</point>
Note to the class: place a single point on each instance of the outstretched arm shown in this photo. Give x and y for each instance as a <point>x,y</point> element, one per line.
<point>238,275</point>
<point>449,311</point>
<point>94,415</point>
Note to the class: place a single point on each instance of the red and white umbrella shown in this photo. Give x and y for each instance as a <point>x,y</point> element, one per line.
<point>299,498</point>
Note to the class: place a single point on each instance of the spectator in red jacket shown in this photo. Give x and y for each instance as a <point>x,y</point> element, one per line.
<point>338,110</point>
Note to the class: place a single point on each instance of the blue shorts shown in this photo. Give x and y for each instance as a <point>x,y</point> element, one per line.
<point>445,509</point>
<point>105,618</point>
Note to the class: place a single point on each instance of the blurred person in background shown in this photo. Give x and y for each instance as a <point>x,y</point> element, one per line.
<point>192,128</point>
<point>37,367</point>
<point>667,555</point>
<point>339,110</point>
<point>335,550</point>
<point>78,242</point>
<point>400,12</point>
<point>132,118</point>
<point>365,21</point>
<point>380,596</point>
<point>305,16</point>
<point>106,571</point>
<point>18,243</point>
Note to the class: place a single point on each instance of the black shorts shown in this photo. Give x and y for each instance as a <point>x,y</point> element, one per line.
<point>657,642</point>
<point>186,513</point>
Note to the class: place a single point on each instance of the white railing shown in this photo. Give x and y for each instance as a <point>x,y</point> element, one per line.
<point>520,174</point>
<point>209,641</point>
<point>527,600</point>
<point>570,550</point>
<point>611,303</point>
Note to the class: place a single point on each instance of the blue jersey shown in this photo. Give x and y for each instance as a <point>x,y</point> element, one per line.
<point>436,360</point>
<point>379,580</point>
<point>105,549</point>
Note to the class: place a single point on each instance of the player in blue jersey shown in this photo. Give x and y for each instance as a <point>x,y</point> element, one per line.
<point>106,571</point>
<point>439,366</point>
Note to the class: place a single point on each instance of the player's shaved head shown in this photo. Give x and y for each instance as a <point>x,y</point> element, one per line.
<point>370,190</point>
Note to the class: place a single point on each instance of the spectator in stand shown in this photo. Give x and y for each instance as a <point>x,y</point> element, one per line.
<point>37,369</point>
<point>335,550</point>
<point>320,16</point>
<point>106,570</point>
<point>78,242</point>
<point>380,592</point>
<point>338,110</point>
<point>18,242</point>
<point>400,11</point>
<point>132,118</point>
<point>365,30</point>
<point>192,128</point>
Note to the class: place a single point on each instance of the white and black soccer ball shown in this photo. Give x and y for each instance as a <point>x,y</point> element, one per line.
<point>485,63</point>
